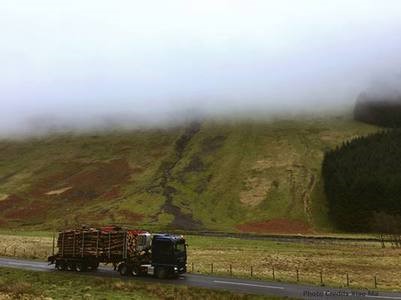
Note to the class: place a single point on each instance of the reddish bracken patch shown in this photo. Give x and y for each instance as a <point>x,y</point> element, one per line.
<point>27,211</point>
<point>48,183</point>
<point>113,193</point>
<point>87,181</point>
<point>14,207</point>
<point>10,202</point>
<point>277,226</point>
<point>130,217</point>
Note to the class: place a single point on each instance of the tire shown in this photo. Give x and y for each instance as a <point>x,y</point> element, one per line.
<point>70,266</point>
<point>80,267</point>
<point>137,271</point>
<point>142,273</point>
<point>124,269</point>
<point>60,265</point>
<point>161,272</point>
<point>93,267</point>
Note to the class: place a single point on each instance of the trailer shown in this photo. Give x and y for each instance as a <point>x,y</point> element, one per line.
<point>131,252</point>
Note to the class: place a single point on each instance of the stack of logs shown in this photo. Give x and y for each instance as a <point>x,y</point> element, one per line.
<point>106,242</point>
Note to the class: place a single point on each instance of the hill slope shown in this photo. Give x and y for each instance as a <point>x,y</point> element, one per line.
<point>247,176</point>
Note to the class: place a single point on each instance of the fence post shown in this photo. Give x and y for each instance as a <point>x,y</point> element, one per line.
<point>231,270</point>
<point>321,277</point>
<point>83,244</point>
<point>274,275</point>
<point>211,268</point>
<point>375,282</point>
<point>53,242</point>
<point>251,271</point>
<point>62,246</point>
<point>109,244</point>
<point>15,250</point>
<point>347,280</point>
<point>297,275</point>
<point>97,243</point>
<point>192,267</point>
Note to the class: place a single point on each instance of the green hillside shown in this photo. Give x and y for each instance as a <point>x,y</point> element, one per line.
<point>233,176</point>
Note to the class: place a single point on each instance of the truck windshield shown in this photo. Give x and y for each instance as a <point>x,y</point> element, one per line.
<point>180,247</point>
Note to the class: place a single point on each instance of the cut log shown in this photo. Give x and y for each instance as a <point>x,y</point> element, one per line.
<point>108,241</point>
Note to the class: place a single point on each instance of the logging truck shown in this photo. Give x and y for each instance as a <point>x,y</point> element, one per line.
<point>131,252</point>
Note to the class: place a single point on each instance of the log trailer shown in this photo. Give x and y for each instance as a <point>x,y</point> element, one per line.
<point>131,252</point>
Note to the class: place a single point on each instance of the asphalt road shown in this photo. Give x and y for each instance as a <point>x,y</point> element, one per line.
<point>226,283</point>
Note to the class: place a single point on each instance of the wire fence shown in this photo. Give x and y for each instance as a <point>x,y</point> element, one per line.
<point>296,275</point>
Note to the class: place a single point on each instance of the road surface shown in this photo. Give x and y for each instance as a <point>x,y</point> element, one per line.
<point>226,283</point>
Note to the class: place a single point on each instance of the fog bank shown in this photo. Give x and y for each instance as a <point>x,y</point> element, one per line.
<point>93,64</point>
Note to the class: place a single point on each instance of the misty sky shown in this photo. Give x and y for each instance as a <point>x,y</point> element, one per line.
<point>85,61</point>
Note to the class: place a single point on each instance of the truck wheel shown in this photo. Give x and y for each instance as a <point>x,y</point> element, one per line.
<point>161,273</point>
<point>80,267</point>
<point>135,271</point>
<point>138,271</point>
<point>124,269</point>
<point>94,266</point>
<point>70,266</point>
<point>60,265</point>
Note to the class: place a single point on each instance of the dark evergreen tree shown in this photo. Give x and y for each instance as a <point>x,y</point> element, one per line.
<point>361,177</point>
<point>379,110</point>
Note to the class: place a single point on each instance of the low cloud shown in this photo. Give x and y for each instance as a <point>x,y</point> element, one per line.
<point>93,65</point>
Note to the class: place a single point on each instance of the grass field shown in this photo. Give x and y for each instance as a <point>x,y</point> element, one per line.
<point>251,176</point>
<point>361,260</point>
<point>18,284</point>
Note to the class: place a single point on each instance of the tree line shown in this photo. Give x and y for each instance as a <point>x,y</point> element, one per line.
<point>362,182</point>
<point>384,111</point>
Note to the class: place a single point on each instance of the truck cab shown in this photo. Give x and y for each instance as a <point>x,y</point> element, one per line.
<point>169,255</point>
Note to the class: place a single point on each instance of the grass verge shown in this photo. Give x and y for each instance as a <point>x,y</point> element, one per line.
<point>21,284</point>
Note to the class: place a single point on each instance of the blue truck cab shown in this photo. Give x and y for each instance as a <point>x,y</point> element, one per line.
<point>169,255</point>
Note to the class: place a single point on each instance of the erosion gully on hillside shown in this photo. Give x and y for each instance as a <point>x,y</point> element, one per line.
<point>181,220</point>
